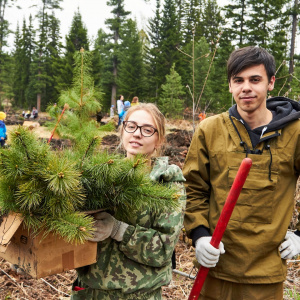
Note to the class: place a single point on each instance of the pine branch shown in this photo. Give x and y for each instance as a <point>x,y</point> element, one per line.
<point>89,149</point>
<point>74,228</point>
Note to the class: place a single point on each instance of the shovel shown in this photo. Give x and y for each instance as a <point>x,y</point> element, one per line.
<point>230,202</point>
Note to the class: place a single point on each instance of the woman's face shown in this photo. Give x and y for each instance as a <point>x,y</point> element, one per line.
<point>135,143</point>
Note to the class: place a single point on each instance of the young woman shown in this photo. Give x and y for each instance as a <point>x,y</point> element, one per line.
<point>134,260</point>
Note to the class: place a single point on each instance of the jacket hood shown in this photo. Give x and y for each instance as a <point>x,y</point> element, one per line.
<point>284,111</point>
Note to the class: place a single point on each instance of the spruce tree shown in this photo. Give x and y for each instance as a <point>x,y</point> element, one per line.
<point>53,61</point>
<point>40,81</point>
<point>130,76</point>
<point>268,20</point>
<point>153,55</point>
<point>192,20</point>
<point>115,24</point>
<point>170,40</point>
<point>236,15</point>
<point>102,67</point>
<point>5,91</point>
<point>75,40</point>
<point>170,101</point>
<point>203,74</point>
<point>6,78</point>
<point>212,22</point>
<point>23,56</point>
<point>294,93</point>
<point>222,99</point>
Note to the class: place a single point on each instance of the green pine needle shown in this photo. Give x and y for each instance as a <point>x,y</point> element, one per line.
<point>74,228</point>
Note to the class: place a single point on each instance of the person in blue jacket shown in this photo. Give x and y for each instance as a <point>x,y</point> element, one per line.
<point>124,112</point>
<point>2,128</point>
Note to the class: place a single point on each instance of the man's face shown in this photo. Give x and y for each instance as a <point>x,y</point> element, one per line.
<point>250,87</point>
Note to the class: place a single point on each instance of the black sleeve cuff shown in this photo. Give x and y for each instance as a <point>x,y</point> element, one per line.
<point>297,232</point>
<point>199,232</point>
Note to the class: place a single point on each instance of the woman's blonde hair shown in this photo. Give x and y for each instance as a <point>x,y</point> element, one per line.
<point>158,118</point>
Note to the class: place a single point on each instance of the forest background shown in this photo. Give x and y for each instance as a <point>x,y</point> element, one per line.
<point>178,61</point>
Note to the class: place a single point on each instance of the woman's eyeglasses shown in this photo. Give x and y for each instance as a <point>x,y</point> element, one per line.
<point>146,130</point>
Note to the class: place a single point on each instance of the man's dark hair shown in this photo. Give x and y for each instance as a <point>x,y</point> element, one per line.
<point>243,58</point>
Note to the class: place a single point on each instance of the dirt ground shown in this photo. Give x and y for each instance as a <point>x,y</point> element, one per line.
<point>179,133</point>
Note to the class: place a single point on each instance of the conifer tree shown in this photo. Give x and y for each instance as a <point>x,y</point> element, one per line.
<point>40,81</point>
<point>23,56</point>
<point>236,14</point>
<point>131,71</point>
<point>267,21</point>
<point>203,74</point>
<point>192,20</point>
<point>102,67</point>
<point>222,99</point>
<point>153,55</point>
<point>84,100</point>
<point>115,24</point>
<point>5,91</point>
<point>294,93</point>
<point>170,40</point>
<point>53,61</point>
<point>170,102</point>
<point>212,22</point>
<point>6,78</point>
<point>75,40</point>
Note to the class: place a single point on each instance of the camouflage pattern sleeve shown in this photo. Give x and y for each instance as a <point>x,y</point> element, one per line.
<point>163,171</point>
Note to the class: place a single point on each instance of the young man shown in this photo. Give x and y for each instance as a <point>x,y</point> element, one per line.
<point>256,240</point>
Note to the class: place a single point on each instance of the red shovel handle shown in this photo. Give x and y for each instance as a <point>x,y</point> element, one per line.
<point>223,221</point>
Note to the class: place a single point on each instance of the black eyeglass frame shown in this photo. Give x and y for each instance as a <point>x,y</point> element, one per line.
<point>138,127</point>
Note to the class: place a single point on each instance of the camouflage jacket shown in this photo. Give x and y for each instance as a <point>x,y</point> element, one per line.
<point>139,265</point>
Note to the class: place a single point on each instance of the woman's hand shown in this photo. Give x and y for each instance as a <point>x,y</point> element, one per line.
<point>107,226</point>
<point>169,173</point>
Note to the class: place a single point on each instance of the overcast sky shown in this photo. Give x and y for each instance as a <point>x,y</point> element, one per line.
<point>93,12</point>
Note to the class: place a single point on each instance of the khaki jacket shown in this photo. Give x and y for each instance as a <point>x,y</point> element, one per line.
<point>264,209</point>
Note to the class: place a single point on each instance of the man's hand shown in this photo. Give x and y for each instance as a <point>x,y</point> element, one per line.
<point>290,246</point>
<point>107,226</point>
<point>206,254</point>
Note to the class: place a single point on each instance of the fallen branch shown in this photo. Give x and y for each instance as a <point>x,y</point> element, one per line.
<point>55,288</point>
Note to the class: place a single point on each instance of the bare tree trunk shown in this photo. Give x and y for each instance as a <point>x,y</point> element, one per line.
<point>242,23</point>
<point>115,68</point>
<point>114,85</point>
<point>294,29</point>
<point>39,95</point>
<point>38,101</point>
